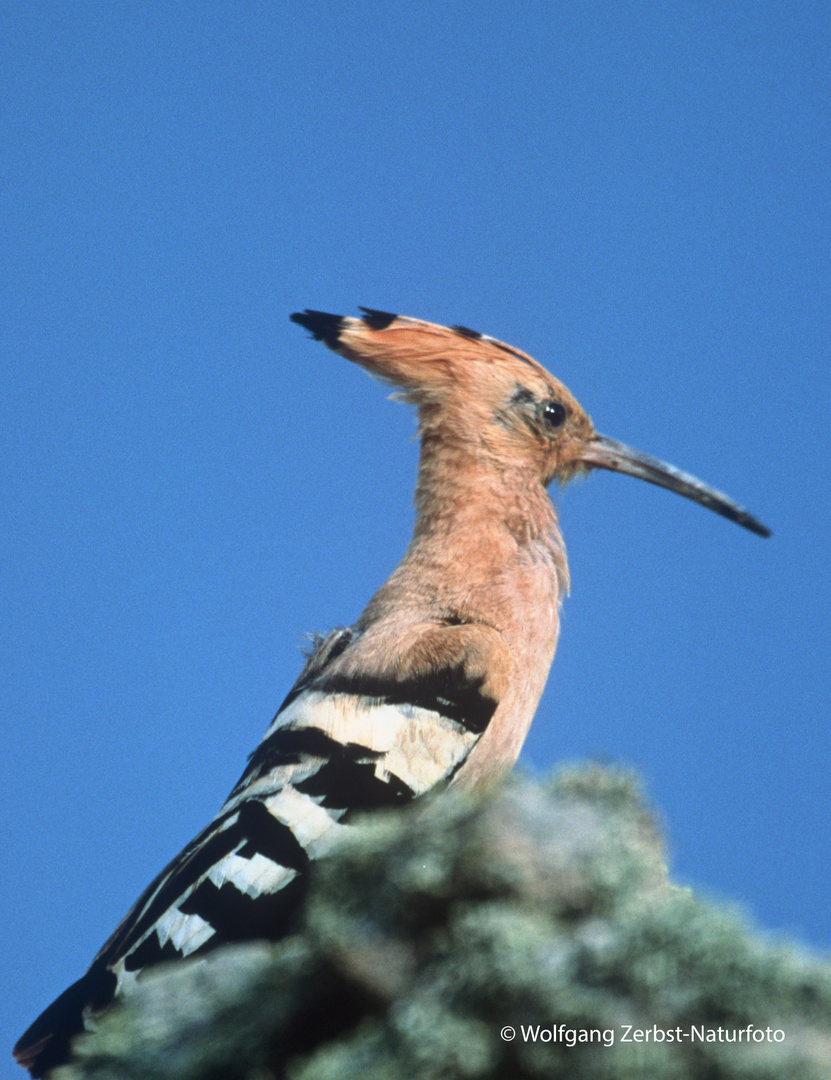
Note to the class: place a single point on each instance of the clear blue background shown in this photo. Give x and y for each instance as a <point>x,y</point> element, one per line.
<point>635,193</point>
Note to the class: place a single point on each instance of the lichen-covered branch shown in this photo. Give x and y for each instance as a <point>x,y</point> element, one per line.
<point>528,933</point>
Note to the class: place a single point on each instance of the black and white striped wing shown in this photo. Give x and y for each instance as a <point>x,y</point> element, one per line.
<point>332,750</point>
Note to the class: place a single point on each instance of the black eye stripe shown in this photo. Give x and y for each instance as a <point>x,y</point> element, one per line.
<point>523,396</point>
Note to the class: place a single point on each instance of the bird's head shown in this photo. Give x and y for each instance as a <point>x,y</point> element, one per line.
<point>496,401</point>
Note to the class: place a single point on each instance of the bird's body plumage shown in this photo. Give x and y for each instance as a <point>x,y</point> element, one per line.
<point>436,683</point>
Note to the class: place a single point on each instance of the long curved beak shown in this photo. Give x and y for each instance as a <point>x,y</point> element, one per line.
<point>603,453</point>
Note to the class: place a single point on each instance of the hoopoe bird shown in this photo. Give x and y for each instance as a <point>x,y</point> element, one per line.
<point>435,684</point>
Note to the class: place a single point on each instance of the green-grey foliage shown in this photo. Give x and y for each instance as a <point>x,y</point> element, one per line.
<point>540,908</point>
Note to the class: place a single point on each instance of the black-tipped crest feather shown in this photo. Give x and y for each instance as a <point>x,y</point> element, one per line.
<point>322,325</point>
<point>378,320</point>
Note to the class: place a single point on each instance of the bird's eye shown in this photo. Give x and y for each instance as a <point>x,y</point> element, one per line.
<point>554,414</point>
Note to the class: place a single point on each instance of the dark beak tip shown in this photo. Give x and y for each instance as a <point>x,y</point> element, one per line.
<point>606,453</point>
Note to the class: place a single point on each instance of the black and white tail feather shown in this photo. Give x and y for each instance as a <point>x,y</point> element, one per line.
<point>339,744</point>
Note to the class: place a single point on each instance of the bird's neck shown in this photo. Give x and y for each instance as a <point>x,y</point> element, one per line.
<point>486,537</point>
<point>458,495</point>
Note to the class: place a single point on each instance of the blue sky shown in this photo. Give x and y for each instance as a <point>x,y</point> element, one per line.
<point>634,193</point>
